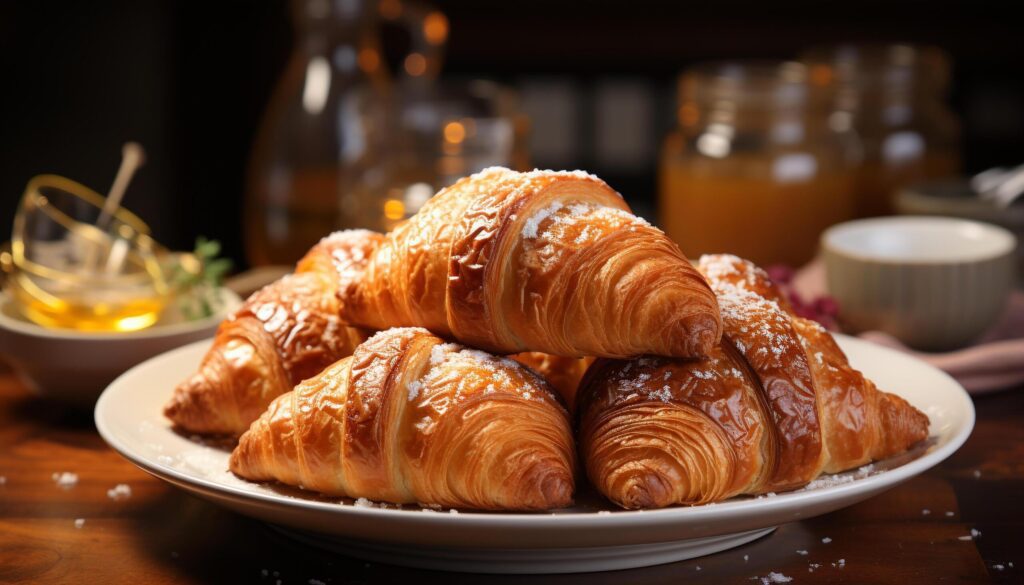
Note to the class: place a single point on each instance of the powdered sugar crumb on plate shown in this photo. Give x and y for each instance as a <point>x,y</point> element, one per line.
<point>774,577</point>
<point>65,479</point>
<point>121,491</point>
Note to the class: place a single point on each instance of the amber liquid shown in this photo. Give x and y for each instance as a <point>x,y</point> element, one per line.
<point>287,219</point>
<point>125,310</point>
<point>710,210</point>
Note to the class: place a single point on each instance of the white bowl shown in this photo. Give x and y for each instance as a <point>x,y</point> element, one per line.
<point>74,367</point>
<point>933,282</point>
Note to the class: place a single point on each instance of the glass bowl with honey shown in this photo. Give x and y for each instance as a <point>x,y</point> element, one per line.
<point>76,264</point>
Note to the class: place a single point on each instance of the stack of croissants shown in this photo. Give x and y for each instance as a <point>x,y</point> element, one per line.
<point>378,369</point>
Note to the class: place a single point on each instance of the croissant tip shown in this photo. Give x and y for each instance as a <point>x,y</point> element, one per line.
<point>553,487</point>
<point>645,492</point>
<point>178,404</point>
<point>708,338</point>
<point>557,490</point>
<point>235,460</point>
<point>190,409</point>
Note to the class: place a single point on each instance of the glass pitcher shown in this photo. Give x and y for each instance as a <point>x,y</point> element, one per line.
<point>319,162</point>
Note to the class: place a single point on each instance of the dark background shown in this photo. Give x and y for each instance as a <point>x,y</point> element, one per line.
<point>190,80</point>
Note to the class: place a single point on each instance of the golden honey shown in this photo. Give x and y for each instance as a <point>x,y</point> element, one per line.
<point>127,310</point>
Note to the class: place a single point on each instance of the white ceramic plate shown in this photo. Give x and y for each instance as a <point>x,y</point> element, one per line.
<point>592,536</point>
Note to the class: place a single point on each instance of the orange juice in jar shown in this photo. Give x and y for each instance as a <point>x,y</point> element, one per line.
<point>754,169</point>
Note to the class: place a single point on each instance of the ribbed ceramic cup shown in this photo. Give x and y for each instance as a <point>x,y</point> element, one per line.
<point>934,283</point>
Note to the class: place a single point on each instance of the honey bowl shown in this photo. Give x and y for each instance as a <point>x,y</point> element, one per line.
<point>74,264</point>
<point>73,367</point>
<point>87,293</point>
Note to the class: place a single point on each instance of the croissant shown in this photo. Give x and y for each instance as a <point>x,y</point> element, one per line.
<point>769,409</point>
<point>562,373</point>
<point>282,334</point>
<point>542,261</point>
<point>409,418</point>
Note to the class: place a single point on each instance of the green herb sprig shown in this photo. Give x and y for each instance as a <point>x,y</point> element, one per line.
<point>197,278</point>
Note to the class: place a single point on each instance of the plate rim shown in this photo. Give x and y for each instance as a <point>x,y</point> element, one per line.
<point>729,509</point>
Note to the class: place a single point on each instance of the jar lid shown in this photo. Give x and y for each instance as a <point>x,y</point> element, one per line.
<point>881,66</point>
<point>768,83</point>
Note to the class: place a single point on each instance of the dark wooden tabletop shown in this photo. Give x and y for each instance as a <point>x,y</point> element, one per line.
<point>911,534</point>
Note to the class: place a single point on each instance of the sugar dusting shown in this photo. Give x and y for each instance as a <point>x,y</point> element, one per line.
<point>121,491</point>
<point>578,223</point>
<point>414,389</point>
<point>455,373</point>
<point>532,224</point>
<point>65,480</point>
<point>491,172</point>
<point>827,481</point>
<point>749,316</point>
<point>774,577</point>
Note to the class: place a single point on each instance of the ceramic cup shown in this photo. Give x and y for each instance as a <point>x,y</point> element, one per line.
<point>934,283</point>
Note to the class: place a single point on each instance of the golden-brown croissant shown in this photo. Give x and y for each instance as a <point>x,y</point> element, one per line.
<point>562,373</point>
<point>542,261</point>
<point>284,333</point>
<point>771,408</point>
<point>409,418</point>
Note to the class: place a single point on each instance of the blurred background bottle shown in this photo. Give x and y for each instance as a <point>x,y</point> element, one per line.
<point>346,143</point>
<point>754,167</point>
<point>319,147</point>
<point>894,97</point>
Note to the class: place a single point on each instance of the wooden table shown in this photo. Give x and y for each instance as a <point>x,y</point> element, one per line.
<point>161,535</point>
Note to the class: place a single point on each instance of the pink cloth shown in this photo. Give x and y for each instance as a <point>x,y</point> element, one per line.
<point>995,362</point>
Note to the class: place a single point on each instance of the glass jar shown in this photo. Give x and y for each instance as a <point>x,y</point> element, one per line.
<point>754,169</point>
<point>894,97</point>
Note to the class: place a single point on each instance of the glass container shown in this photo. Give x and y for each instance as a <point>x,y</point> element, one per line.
<point>450,131</point>
<point>754,168</point>
<point>73,266</point>
<point>316,163</point>
<point>894,98</point>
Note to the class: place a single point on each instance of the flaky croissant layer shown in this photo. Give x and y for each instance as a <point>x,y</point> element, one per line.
<point>542,261</point>
<point>771,408</point>
<point>409,418</point>
<point>286,332</point>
